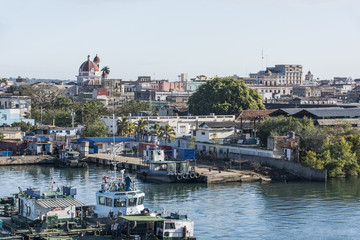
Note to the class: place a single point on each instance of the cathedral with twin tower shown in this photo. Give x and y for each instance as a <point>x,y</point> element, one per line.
<point>89,72</point>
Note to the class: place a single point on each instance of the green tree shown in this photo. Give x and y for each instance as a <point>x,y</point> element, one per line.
<point>132,107</point>
<point>224,96</point>
<point>278,126</point>
<point>105,71</point>
<point>95,129</point>
<point>24,126</point>
<point>12,89</point>
<point>312,161</point>
<point>355,142</point>
<point>125,127</point>
<point>141,127</point>
<point>168,133</point>
<point>155,130</point>
<point>90,112</point>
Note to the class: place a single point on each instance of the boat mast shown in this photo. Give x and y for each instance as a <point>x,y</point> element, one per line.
<point>113,148</point>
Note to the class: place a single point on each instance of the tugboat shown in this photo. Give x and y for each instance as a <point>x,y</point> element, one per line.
<point>175,226</point>
<point>70,158</point>
<point>118,195</point>
<point>156,169</point>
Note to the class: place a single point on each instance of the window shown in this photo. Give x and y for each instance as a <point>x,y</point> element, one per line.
<point>182,129</point>
<point>67,131</point>
<point>119,202</point>
<point>169,225</point>
<point>109,202</point>
<point>194,133</point>
<point>132,202</point>
<point>101,200</point>
<point>202,133</point>
<point>141,201</point>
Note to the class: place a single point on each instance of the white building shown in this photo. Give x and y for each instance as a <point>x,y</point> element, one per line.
<point>89,72</point>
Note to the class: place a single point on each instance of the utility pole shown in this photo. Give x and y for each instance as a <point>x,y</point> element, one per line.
<point>72,118</point>
<point>41,107</point>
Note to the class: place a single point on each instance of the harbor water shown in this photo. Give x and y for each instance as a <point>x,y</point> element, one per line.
<point>295,210</point>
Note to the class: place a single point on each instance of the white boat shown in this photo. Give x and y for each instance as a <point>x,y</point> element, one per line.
<point>118,194</point>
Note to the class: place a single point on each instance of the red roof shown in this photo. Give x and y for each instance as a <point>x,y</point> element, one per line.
<point>252,114</point>
<point>96,59</point>
<point>89,66</point>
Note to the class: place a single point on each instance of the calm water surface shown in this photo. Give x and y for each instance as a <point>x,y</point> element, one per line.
<point>299,210</point>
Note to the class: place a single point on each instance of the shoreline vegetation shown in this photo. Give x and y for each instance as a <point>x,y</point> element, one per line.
<point>336,148</point>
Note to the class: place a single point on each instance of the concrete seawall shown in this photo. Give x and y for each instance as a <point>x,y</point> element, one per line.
<point>292,167</point>
<point>26,160</point>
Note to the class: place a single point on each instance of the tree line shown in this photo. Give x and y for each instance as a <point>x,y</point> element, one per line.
<point>335,148</point>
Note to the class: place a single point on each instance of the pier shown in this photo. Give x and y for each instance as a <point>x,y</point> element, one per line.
<point>212,175</point>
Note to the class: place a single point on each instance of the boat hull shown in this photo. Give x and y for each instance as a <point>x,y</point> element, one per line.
<point>171,178</point>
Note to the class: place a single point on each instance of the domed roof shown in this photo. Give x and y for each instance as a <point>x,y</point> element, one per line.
<point>89,66</point>
<point>96,59</point>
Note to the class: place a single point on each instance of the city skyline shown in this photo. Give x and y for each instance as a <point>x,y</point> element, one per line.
<point>50,39</point>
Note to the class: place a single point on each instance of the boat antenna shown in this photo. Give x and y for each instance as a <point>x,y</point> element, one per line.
<point>113,148</point>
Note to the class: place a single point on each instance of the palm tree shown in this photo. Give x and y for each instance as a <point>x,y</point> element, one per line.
<point>125,127</point>
<point>156,130</point>
<point>168,132</point>
<point>105,71</point>
<point>141,127</point>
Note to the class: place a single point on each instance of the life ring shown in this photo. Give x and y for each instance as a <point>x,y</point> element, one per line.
<point>197,175</point>
<point>96,233</point>
<point>192,175</point>
<point>179,177</point>
<point>185,175</point>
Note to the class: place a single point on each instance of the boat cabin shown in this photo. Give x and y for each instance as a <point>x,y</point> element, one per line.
<point>169,167</point>
<point>69,154</point>
<point>153,154</point>
<point>175,226</point>
<point>118,195</point>
<point>36,205</point>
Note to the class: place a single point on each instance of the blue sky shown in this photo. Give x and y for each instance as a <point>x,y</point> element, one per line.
<point>51,38</point>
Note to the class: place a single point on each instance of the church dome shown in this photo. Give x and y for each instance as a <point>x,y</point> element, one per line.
<point>96,59</point>
<point>89,66</point>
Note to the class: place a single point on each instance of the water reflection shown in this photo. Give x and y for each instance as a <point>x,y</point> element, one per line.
<point>298,210</point>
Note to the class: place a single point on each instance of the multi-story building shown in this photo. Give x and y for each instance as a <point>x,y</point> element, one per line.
<point>307,91</point>
<point>201,78</point>
<point>280,74</point>
<point>183,125</point>
<point>10,116</point>
<point>23,103</point>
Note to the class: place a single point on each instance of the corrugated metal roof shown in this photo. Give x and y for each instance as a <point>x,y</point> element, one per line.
<point>227,124</point>
<point>108,139</point>
<point>354,112</point>
<point>59,202</point>
<point>334,122</point>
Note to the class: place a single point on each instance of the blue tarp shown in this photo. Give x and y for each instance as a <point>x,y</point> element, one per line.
<point>185,154</point>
